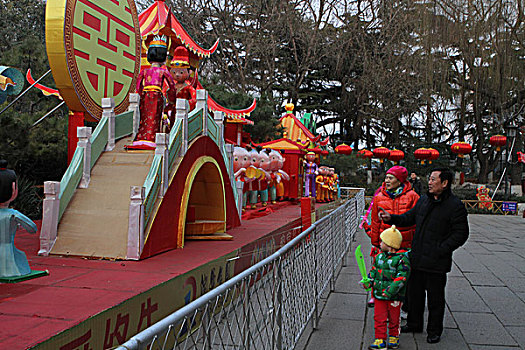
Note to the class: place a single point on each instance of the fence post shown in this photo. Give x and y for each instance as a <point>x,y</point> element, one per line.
<point>279,306</point>
<point>83,135</point>
<point>161,148</point>
<point>136,223</point>
<point>218,118</point>
<point>182,108</point>
<point>316,280</point>
<point>108,110</point>
<point>246,311</point>
<point>134,105</point>
<point>50,211</point>
<point>202,103</point>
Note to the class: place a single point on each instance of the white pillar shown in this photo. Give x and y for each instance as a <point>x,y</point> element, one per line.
<point>217,117</point>
<point>136,223</point>
<point>108,110</point>
<point>161,148</point>
<point>202,103</point>
<point>239,185</point>
<point>134,105</point>
<point>50,211</point>
<point>182,108</point>
<point>229,154</point>
<point>84,134</point>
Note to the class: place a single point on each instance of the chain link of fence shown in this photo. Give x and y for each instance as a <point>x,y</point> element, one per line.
<point>269,305</point>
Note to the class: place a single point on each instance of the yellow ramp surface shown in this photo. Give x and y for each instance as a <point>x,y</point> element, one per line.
<point>95,223</point>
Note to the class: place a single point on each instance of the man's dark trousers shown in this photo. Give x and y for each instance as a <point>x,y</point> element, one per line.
<point>434,285</point>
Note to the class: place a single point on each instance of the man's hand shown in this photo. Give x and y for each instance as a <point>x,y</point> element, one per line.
<point>384,215</point>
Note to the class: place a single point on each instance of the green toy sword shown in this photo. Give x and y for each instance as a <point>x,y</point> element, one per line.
<point>362,266</point>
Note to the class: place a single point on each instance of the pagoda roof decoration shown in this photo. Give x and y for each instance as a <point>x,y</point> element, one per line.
<point>282,144</point>
<point>158,18</point>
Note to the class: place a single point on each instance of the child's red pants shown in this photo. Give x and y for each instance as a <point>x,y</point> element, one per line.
<point>387,312</point>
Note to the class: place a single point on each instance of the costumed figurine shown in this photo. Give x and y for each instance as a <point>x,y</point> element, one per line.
<point>264,164</point>
<point>319,182</point>
<point>337,187</point>
<point>149,86</point>
<point>180,71</point>
<point>253,172</point>
<point>310,172</point>
<point>485,202</point>
<point>281,176</point>
<point>274,167</point>
<point>13,262</point>
<point>241,161</point>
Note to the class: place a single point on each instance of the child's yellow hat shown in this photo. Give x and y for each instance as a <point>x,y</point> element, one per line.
<point>392,237</point>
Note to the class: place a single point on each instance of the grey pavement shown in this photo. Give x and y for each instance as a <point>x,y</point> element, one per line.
<point>485,296</point>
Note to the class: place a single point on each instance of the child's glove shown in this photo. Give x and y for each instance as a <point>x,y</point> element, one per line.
<point>366,283</point>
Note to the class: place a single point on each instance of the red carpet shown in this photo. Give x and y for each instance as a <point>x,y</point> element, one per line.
<point>77,289</point>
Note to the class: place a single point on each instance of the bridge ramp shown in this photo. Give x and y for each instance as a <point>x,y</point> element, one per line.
<point>95,223</point>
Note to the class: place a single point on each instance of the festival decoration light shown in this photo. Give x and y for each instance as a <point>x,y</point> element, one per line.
<point>498,141</point>
<point>396,155</point>
<point>343,149</point>
<point>434,154</point>
<point>422,154</point>
<point>461,148</point>
<point>382,153</point>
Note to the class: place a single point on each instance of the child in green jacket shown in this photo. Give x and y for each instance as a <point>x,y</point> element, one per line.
<point>388,279</point>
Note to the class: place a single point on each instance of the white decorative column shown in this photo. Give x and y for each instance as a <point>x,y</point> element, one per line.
<point>136,223</point>
<point>108,110</point>
<point>50,211</point>
<point>161,148</point>
<point>202,103</point>
<point>134,105</point>
<point>229,154</point>
<point>239,185</point>
<point>182,108</point>
<point>217,116</point>
<point>84,134</point>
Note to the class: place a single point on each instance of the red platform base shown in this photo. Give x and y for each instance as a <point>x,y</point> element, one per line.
<point>97,304</point>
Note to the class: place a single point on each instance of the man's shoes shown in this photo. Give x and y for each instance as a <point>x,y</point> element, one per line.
<point>371,302</point>
<point>432,339</point>
<point>378,344</point>
<point>408,329</point>
<point>393,343</point>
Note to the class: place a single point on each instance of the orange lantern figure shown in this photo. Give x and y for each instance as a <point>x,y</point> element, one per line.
<point>461,148</point>
<point>396,155</point>
<point>381,153</point>
<point>434,154</point>
<point>498,141</point>
<point>343,149</point>
<point>422,154</point>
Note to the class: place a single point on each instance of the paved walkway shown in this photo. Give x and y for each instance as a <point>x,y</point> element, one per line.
<point>485,296</point>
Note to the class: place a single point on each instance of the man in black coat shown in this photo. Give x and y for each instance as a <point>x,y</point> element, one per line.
<point>441,227</point>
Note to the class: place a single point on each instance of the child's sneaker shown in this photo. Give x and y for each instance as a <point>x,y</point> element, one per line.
<point>371,302</point>
<point>378,344</point>
<point>393,342</point>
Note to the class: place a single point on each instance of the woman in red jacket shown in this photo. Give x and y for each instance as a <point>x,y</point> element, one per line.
<point>396,196</point>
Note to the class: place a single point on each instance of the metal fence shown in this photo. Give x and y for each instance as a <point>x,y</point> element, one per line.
<point>269,305</point>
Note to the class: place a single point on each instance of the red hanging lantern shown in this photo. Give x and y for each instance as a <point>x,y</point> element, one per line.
<point>461,148</point>
<point>364,153</point>
<point>324,153</point>
<point>434,154</point>
<point>381,153</point>
<point>316,150</point>
<point>422,154</point>
<point>343,149</point>
<point>396,155</point>
<point>498,141</point>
